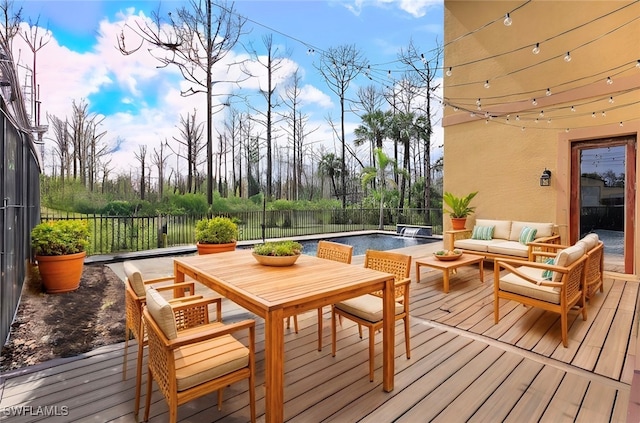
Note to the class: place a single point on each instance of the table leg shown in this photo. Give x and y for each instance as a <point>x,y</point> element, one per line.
<point>482,271</point>
<point>445,281</point>
<point>388,335</point>
<point>417,273</point>
<point>274,367</point>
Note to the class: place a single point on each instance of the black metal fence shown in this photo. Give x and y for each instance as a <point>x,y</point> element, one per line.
<point>19,213</point>
<point>113,234</point>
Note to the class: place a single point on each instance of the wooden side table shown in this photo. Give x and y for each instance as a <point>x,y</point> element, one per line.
<point>447,266</point>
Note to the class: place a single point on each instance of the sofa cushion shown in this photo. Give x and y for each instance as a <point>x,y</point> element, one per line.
<point>502,227</point>
<point>567,257</point>
<point>472,244</point>
<point>543,229</point>
<point>527,235</point>
<point>508,248</point>
<point>511,282</point>
<point>483,232</point>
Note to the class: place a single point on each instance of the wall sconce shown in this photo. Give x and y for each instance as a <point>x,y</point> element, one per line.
<point>545,178</point>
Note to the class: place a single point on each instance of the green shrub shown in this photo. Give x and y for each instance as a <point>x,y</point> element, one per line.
<point>217,230</point>
<point>60,237</point>
<point>278,248</point>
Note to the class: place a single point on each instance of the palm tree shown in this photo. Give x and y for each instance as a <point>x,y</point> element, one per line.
<point>330,166</point>
<point>371,130</point>
<point>383,175</point>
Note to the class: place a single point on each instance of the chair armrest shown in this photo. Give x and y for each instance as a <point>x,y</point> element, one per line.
<point>178,288</point>
<point>543,249</point>
<point>210,331</point>
<point>161,279</point>
<point>184,299</point>
<point>193,301</point>
<point>402,282</point>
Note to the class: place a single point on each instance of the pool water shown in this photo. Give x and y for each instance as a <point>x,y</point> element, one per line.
<point>362,243</point>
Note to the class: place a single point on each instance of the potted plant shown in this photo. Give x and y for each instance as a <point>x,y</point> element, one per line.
<point>459,208</point>
<point>277,253</point>
<point>60,249</point>
<point>216,235</point>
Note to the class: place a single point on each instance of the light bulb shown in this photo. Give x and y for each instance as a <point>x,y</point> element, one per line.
<point>486,121</point>
<point>507,20</point>
<point>536,49</point>
<point>621,124</point>
<point>611,100</point>
<point>472,114</point>
<point>423,59</point>
<point>603,113</point>
<point>609,80</point>
<point>573,109</point>
<point>534,102</point>
<point>638,64</point>
<point>523,129</point>
<point>478,102</point>
<point>593,115</point>
<point>517,117</point>
<point>536,121</point>
<point>455,108</point>
<point>566,130</point>
<point>567,57</point>
<point>486,84</point>
<point>541,113</point>
<point>548,93</point>
<point>549,121</point>
<point>448,73</point>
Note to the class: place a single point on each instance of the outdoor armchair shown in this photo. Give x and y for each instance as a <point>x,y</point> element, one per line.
<point>187,364</point>
<point>135,298</point>
<point>553,287</point>
<point>367,310</point>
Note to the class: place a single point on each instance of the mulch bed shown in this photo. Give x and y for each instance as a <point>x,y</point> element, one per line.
<point>49,326</point>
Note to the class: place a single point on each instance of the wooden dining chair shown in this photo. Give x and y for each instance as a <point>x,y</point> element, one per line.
<point>331,251</point>
<point>189,363</point>
<point>135,299</point>
<point>367,310</point>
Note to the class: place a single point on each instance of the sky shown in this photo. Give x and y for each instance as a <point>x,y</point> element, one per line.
<point>140,103</point>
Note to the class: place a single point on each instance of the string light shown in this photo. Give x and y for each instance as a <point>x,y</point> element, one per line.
<point>609,80</point>
<point>566,130</point>
<point>311,51</point>
<point>603,113</point>
<point>517,117</point>
<point>638,64</point>
<point>536,121</point>
<point>478,102</point>
<point>424,61</point>
<point>549,121</point>
<point>548,93</point>
<point>621,125</point>
<point>536,49</point>
<point>507,20</point>
<point>486,84</point>
<point>593,115</point>
<point>541,113</point>
<point>611,100</point>
<point>573,109</point>
<point>534,102</point>
<point>455,108</point>
<point>567,57</point>
<point>449,71</point>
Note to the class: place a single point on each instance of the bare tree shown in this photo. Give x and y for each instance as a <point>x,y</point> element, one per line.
<point>141,156</point>
<point>159,160</point>
<point>426,70</point>
<point>201,35</point>
<point>339,66</point>
<point>191,139</point>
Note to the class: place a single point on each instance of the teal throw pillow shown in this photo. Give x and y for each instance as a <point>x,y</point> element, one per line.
<point>547,274</point>
<point>527,235</point>
<point>484,233</point>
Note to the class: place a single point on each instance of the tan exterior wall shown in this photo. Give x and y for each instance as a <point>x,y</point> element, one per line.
<point>489,152</point>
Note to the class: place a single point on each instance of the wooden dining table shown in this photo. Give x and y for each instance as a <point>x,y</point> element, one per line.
<point>274,293</point>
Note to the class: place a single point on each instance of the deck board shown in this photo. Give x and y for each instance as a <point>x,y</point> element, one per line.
<point>463,367</point>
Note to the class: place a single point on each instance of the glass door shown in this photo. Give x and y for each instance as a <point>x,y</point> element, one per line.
<point>603,199</point>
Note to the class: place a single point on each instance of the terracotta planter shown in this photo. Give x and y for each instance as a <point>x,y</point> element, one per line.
<point>457,223</point>
<point>276,261</point>
<point>215,248</point>
<point>61,273</point>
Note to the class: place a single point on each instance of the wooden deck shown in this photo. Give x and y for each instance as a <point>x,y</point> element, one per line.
<point>462,368</point>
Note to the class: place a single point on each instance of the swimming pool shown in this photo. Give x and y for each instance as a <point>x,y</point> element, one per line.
<point>362,243</point>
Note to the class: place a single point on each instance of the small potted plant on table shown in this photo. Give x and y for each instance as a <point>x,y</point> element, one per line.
<point>60,249</point>
<point>216,235</point>
<point>459,208</point>
<point>277,253</point>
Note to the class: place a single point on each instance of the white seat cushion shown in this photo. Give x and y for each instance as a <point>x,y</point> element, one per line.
<point>208,360</point>
<point>368,307</point>
<point>517,285</point>
<point>510,248</point>
<point>473,244</point>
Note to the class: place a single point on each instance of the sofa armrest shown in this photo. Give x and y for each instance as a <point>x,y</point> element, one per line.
<point>450,237</point>
<point>545,247</point>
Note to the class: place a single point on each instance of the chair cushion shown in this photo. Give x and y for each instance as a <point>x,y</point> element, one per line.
<point>509,248</point>
<point>542,229</point>
<point>482,232</point>
<point>367,307</point>
<point>567,257</point>
<point>502,227</point>
<point>162,313</point>
<point>472,244</point>
<point>511,282</point>
<point>135,278</point>
<point>207,360</point>
<point>590,241</point>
